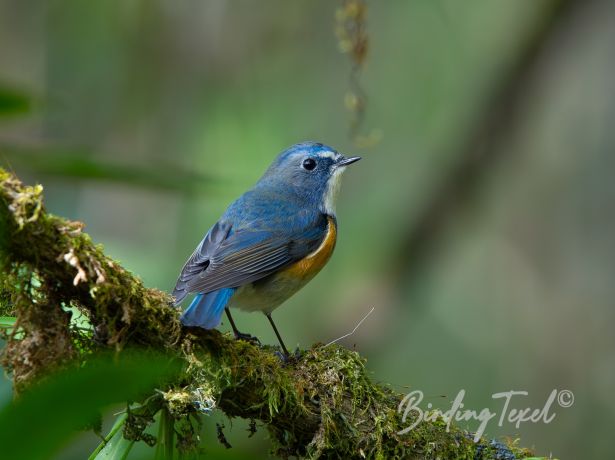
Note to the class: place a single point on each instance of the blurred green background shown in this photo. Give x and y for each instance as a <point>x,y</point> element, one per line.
<point>145,119</point>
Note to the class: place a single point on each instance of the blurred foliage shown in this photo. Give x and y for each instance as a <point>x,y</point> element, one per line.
<point>82,165</point>
<point>48,415</point>
<point>13,102</point>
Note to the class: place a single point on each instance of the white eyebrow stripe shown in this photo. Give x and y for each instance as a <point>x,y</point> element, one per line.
<point>329,154</point>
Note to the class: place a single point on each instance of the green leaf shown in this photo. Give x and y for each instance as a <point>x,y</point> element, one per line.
<point>164,447</point>
<point>7,322</point>
<point>54,411</point>
<point>115,446</point>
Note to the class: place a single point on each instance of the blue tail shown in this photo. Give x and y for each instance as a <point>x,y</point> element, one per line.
<point>206,309</point>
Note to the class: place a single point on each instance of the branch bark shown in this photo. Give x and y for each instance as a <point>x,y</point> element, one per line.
<point>322,404</point>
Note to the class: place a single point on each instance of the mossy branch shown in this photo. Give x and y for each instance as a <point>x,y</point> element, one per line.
<point>323,404</point>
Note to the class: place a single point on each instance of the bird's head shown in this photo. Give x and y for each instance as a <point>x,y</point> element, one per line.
<point>310,172</point>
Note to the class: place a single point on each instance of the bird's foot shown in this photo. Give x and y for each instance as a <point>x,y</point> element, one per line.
<point>247,338</point>
<point>288,358</point>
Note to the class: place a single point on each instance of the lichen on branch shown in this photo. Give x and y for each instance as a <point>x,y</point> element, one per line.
<point>321,404</point>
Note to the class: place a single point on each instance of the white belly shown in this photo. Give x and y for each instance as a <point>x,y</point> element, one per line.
<point>266,295</point>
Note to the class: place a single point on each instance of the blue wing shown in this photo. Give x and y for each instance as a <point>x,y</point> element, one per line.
<point>256,246</point>
<point>200,259</point>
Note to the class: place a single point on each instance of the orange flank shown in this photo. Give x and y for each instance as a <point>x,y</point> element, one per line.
<point>309,266</point>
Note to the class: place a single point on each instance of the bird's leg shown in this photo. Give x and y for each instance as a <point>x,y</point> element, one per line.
<point>240,335</point>
<point>275,329</point>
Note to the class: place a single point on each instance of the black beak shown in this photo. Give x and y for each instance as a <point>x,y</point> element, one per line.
<point>347,161</point>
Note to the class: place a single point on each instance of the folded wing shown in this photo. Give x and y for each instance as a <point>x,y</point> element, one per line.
<point>228,259</point>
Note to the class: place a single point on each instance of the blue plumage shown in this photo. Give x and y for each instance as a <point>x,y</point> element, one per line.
<point>284,219</point>
<point>205,310</point>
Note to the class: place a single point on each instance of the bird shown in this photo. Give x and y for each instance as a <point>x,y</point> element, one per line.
<point>269,243</point>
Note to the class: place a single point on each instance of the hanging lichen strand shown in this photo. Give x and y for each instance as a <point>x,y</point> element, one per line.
<point>351,32</point>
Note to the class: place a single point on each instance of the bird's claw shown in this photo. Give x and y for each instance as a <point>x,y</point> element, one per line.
<point>290,357</point>
<point>247,338</point>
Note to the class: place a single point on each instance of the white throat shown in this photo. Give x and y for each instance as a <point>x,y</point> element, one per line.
<point>333,187</point>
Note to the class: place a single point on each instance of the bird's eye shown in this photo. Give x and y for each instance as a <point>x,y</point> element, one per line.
<point>309,164</point>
